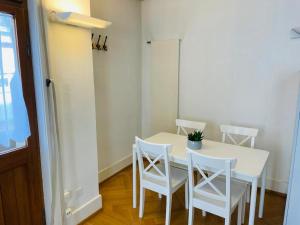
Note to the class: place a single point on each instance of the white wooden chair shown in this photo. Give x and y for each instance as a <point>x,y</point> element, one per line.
<point>229,131</point>
<point>159,176</point>
<point>249,133</point>
<point>182,125</point>
<point>185,126</point>
<point>212,193</point>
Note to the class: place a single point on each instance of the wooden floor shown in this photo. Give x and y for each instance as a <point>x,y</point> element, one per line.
<point>117,207</point>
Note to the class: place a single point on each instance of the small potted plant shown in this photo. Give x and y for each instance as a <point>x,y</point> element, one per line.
<point>195,140</point>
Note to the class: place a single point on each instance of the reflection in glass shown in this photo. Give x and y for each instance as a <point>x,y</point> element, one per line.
<point>14,125</point>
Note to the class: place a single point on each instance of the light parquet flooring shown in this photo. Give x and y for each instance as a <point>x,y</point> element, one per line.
<point>117,207</point>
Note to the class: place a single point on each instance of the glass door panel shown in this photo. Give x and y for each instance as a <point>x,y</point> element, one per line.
<point>14,124</point>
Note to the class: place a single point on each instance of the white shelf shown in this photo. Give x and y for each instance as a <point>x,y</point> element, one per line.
<point>78,20</point>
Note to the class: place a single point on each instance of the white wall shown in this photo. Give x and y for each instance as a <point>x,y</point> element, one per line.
<point>117,83</point>
<point>238,65</point>
<point>71,67</point>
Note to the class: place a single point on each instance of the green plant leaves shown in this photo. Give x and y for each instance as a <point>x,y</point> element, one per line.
<point>196,136</point>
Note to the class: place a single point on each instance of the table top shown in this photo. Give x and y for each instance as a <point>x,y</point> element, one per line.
<point>250,162</point>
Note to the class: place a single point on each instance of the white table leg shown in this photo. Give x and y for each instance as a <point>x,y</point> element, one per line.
<point>262,193</point>
<point>253,202</point>
<point>133,177</point>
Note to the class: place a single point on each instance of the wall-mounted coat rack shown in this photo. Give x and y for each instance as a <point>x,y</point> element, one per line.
<point>96,44</point>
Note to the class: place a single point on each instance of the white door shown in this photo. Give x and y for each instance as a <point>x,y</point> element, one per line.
<point>160,93</point>
<point>292,216</point>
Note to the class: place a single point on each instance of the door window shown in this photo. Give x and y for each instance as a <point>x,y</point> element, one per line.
<point>14,124</point>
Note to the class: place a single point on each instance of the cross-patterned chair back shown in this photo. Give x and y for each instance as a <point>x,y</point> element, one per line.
<point>183,124</point>
<point>154,154</point>
<point>228,131</point>
<point>206,187</point>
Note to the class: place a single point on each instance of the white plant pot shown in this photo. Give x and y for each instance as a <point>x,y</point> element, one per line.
<point>195,145</point>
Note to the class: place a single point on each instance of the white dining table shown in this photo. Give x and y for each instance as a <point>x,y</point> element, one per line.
<point>250,167</point>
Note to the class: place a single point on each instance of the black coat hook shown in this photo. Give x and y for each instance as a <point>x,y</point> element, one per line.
<point>98,46</point>
<point>104,47</point>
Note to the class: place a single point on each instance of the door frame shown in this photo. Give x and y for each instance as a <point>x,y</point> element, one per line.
<point>296,147</point>
<point>19,9</point>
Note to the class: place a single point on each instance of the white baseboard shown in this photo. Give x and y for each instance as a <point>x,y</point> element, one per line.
<point>278,186</point>
<point>84,211</point>
<point>114,168</point>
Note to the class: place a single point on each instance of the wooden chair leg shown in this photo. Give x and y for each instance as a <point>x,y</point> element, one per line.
<point>227,220</point>
<point>244,208</point>
<point>240,209</point>
<point>142,202</point>
<point>248,193</point>
<point>191,214</point>
<point>186,192</point>
<point>168,209</point>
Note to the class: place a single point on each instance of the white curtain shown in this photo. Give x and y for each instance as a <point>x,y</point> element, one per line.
<point>14,124</point>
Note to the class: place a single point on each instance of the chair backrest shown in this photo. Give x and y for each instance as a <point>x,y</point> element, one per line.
<point>228,131</point>
<point>217,166</point>
<point>183,124</point>
<point>154,153</point>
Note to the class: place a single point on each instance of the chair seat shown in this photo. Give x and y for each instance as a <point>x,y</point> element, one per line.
<point>234,179</point>
<point>237,191</point>
<point>178,176</point>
